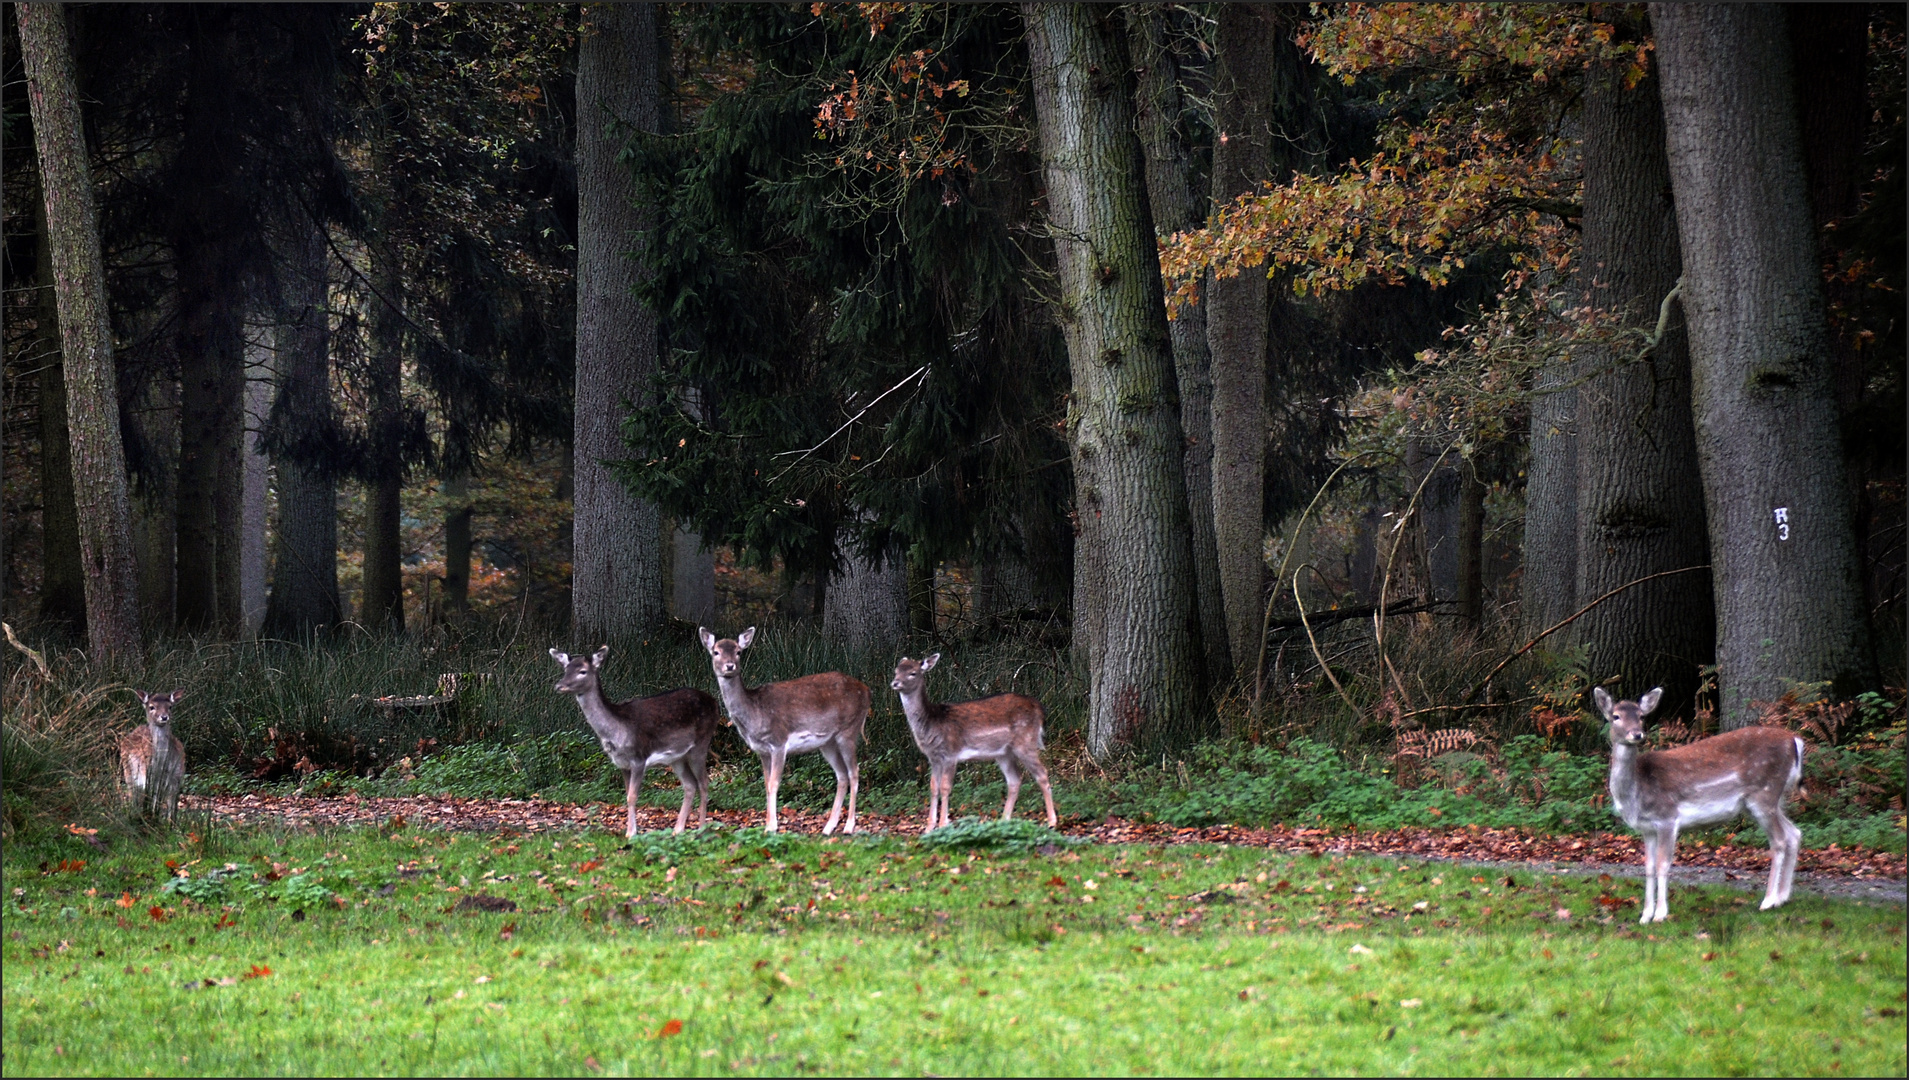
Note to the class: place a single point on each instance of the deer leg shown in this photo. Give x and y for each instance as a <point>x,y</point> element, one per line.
<point>771,780</point>
<point>833,756</point>
<point>700,764</point>
<point>1649,904</point>
<point>632,787</point>
<point>947,792</point>
<point>1784,838</point>
<point>1666,853</point>
<point>854,783</point>
<point>1039,772</point>
<point>687,775</point>
<point>1012,774</point>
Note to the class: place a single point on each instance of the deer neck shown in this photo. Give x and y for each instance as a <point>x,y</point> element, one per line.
<point>597,712</point>
<point>740,702</point>
<point>915,707</point>
<point>161,739</point>
<point>1625,800</point>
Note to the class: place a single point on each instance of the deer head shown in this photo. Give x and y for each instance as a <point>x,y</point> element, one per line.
<point>579,672</point>
<point>1626,717</point>
<point>725,656</point>
<point>159,707</point>
<point>909,674</point>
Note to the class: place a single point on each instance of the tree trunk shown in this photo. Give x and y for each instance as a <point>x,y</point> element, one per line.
<point>1435,523</point>
<point>304,598</point>
<point>921,597</point>
<point>1789,599</point>
<point>1470,587</point>
<point>260,371</point>
<point>62,583</point>
<point>1640,496</point>
<point>1124,413</point>
<point>692,569</point>
<point>98,458</point>
<point>1550,563</point>
<point>155,420</point>
<point>617,576</point>
<point>457,547</point>
<point>209,341</point>
<point>866,607</point>
<point>1237,322</point>
<point>382,604</point>
<point>1176,206</point>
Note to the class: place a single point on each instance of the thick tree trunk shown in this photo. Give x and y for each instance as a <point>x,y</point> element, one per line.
<point>692,569</point>
<point>921,597</point>
<point>1789,599</point>
<point>62,583</point>
<point>209,341</point>
<point>155,417</point>
<point>304,597</point>
<point>98,458</point>
<point>1470,587</point>
<point>1171,177</point>
<point>1435,523</point>
<point>1237,322</point>
<point>1124,416</point>
<point>617,540</point>
<point>1640,496</point>
<point>457,547</point>
<point>1549,574</point>
<point>866,607</point>
<point>617,577</point>
<point>382,604</point>
<point>260,372</point>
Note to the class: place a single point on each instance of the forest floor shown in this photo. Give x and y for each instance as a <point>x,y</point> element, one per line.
<point>1862,874</point>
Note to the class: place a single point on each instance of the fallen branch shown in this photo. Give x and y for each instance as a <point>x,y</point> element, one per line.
<point>32,654</point>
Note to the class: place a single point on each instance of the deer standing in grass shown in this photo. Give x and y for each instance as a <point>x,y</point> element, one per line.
<point>1004,729</point>
<point>152,762</point>
<point>672,728</point>
<point>822,713</point>
<point>1712,780</point>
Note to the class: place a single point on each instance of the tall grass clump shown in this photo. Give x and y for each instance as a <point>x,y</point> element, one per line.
<point>58,749</point>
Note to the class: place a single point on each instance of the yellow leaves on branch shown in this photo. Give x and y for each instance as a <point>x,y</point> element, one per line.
<point>1417,208</point>
<point>1473,41</point>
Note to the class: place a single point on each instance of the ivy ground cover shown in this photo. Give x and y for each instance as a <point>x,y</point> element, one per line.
<point>731,952</point>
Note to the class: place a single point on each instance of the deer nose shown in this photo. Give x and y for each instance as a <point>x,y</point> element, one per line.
<point>895,685</point>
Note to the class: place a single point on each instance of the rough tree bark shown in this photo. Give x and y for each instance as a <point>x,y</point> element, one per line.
<point>79,274</point>
<point>1124,416</point>
<point>260,372</point>
<point>1788,596</point>
<point>381,604</point>
<point>1640,497</point>
<point>1171,176</point>
<point>617,563</point>
<point>457,546</point>
<point>209,339</point>
<point>304,597</point>
<point>1548,586</point>
<point>692,569</point>
<point>866,606</point>
<point>62,583</point>
<point>1237,321</point>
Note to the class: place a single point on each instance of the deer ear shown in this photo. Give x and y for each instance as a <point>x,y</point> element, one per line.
<point>602,655</point>
<point>747,636</point>
<point>176,695</point>
<point>560,657</point>
<point>1603,701</point>
<point>708,639</point>
<point>1649,701</point>
<point>141,695</point>
<point>928,662</point>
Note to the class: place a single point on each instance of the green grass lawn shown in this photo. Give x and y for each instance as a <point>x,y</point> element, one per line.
<point>735,952</point>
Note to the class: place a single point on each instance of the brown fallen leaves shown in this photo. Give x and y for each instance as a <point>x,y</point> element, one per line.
<point>526,816</point>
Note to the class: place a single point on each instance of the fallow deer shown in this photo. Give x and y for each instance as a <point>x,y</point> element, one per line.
<point>1004,729</point>
<point>152,761</point>
<point>671,728</point>
<point>1712,780</point>
<point>822,713</point>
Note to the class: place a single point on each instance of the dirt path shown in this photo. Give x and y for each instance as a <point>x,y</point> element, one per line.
<point>1861,874</point>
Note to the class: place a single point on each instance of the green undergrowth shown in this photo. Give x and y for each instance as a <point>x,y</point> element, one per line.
<point>736,952</point>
